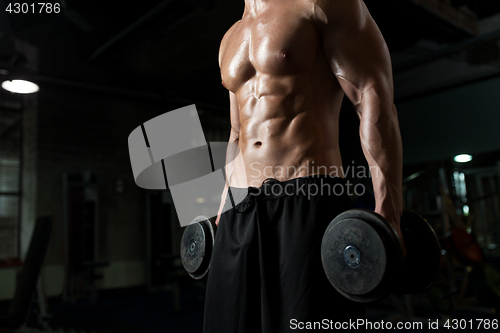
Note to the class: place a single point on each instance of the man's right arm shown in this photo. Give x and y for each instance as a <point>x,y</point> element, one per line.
<point>232,149</point>
<point>360,59</point>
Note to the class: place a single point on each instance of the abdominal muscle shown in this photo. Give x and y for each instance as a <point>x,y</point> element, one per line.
<point>288,129</point>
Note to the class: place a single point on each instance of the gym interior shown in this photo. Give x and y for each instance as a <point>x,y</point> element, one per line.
<point>109,250</point>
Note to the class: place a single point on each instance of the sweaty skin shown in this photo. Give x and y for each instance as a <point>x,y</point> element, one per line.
<point>287,65</point>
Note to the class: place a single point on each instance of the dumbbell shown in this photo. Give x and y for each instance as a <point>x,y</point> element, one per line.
<point>362,255</point>
<point>196,246</point>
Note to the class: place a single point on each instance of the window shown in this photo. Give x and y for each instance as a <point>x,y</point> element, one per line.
<point>10,182</point>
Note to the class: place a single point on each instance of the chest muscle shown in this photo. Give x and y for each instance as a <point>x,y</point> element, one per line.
<point>275,44</point>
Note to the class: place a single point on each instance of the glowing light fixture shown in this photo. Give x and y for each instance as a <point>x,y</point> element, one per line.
<point>462,158</point>
<point>19,77</point>
<point>466,210</point>
<point>20,86</point>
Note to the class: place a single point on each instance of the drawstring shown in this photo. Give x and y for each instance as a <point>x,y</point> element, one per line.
<point>248,201</point>
<point>270,181</point>
<point>252,194</point>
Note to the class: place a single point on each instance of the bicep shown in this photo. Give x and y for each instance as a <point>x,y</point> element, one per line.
<point>357,53</point>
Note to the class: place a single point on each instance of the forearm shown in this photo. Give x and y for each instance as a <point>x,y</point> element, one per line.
<point>381,143</point>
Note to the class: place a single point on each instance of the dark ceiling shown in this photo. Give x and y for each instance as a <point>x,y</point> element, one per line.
<point>169,47</point>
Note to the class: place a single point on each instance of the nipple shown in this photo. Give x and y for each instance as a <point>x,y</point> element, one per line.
<point>285,55</point>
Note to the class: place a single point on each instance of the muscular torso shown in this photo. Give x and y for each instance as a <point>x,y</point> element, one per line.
<point>288,97</point>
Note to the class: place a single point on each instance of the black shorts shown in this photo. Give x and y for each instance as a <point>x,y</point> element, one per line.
<point>266,273</point>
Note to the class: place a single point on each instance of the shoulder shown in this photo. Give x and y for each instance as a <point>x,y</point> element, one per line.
<point>226,37</point>
<point>328,12</point>
<point>230,31</point>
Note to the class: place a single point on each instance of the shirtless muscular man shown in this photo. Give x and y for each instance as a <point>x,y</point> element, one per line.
<point>287,65</point>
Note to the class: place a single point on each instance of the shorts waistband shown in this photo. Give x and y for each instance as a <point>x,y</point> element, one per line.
<point>272,188</point>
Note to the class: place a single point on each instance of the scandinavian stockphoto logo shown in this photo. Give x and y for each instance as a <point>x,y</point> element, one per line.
<point>170,151</point>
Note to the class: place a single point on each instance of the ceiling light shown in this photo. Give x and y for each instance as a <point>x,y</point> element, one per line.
<point>466,210</point>
<point>20,86</point>
<point>462,158</point>
<point>19,77</point>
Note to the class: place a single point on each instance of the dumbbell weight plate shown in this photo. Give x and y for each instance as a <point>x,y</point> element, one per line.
<point>196,247</point>
<point>361,254</point>
<point>423,258</point>
<point>356,252</point>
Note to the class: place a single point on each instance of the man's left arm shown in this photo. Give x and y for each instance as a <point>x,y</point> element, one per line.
<point>359,58</point>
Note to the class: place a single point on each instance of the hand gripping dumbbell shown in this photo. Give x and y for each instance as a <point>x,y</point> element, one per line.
<point>362,255</point>
<point>196,246</point>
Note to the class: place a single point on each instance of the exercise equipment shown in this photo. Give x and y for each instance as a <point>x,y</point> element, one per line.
<point>21,304</point>
<point>196,247</point>
<point>464,247</point>
<point>362,255</point>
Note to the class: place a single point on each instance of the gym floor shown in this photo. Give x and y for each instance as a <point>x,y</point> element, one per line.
<point>136,312</point>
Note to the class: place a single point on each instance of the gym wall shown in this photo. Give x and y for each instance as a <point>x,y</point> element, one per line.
<point>440,125</point>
